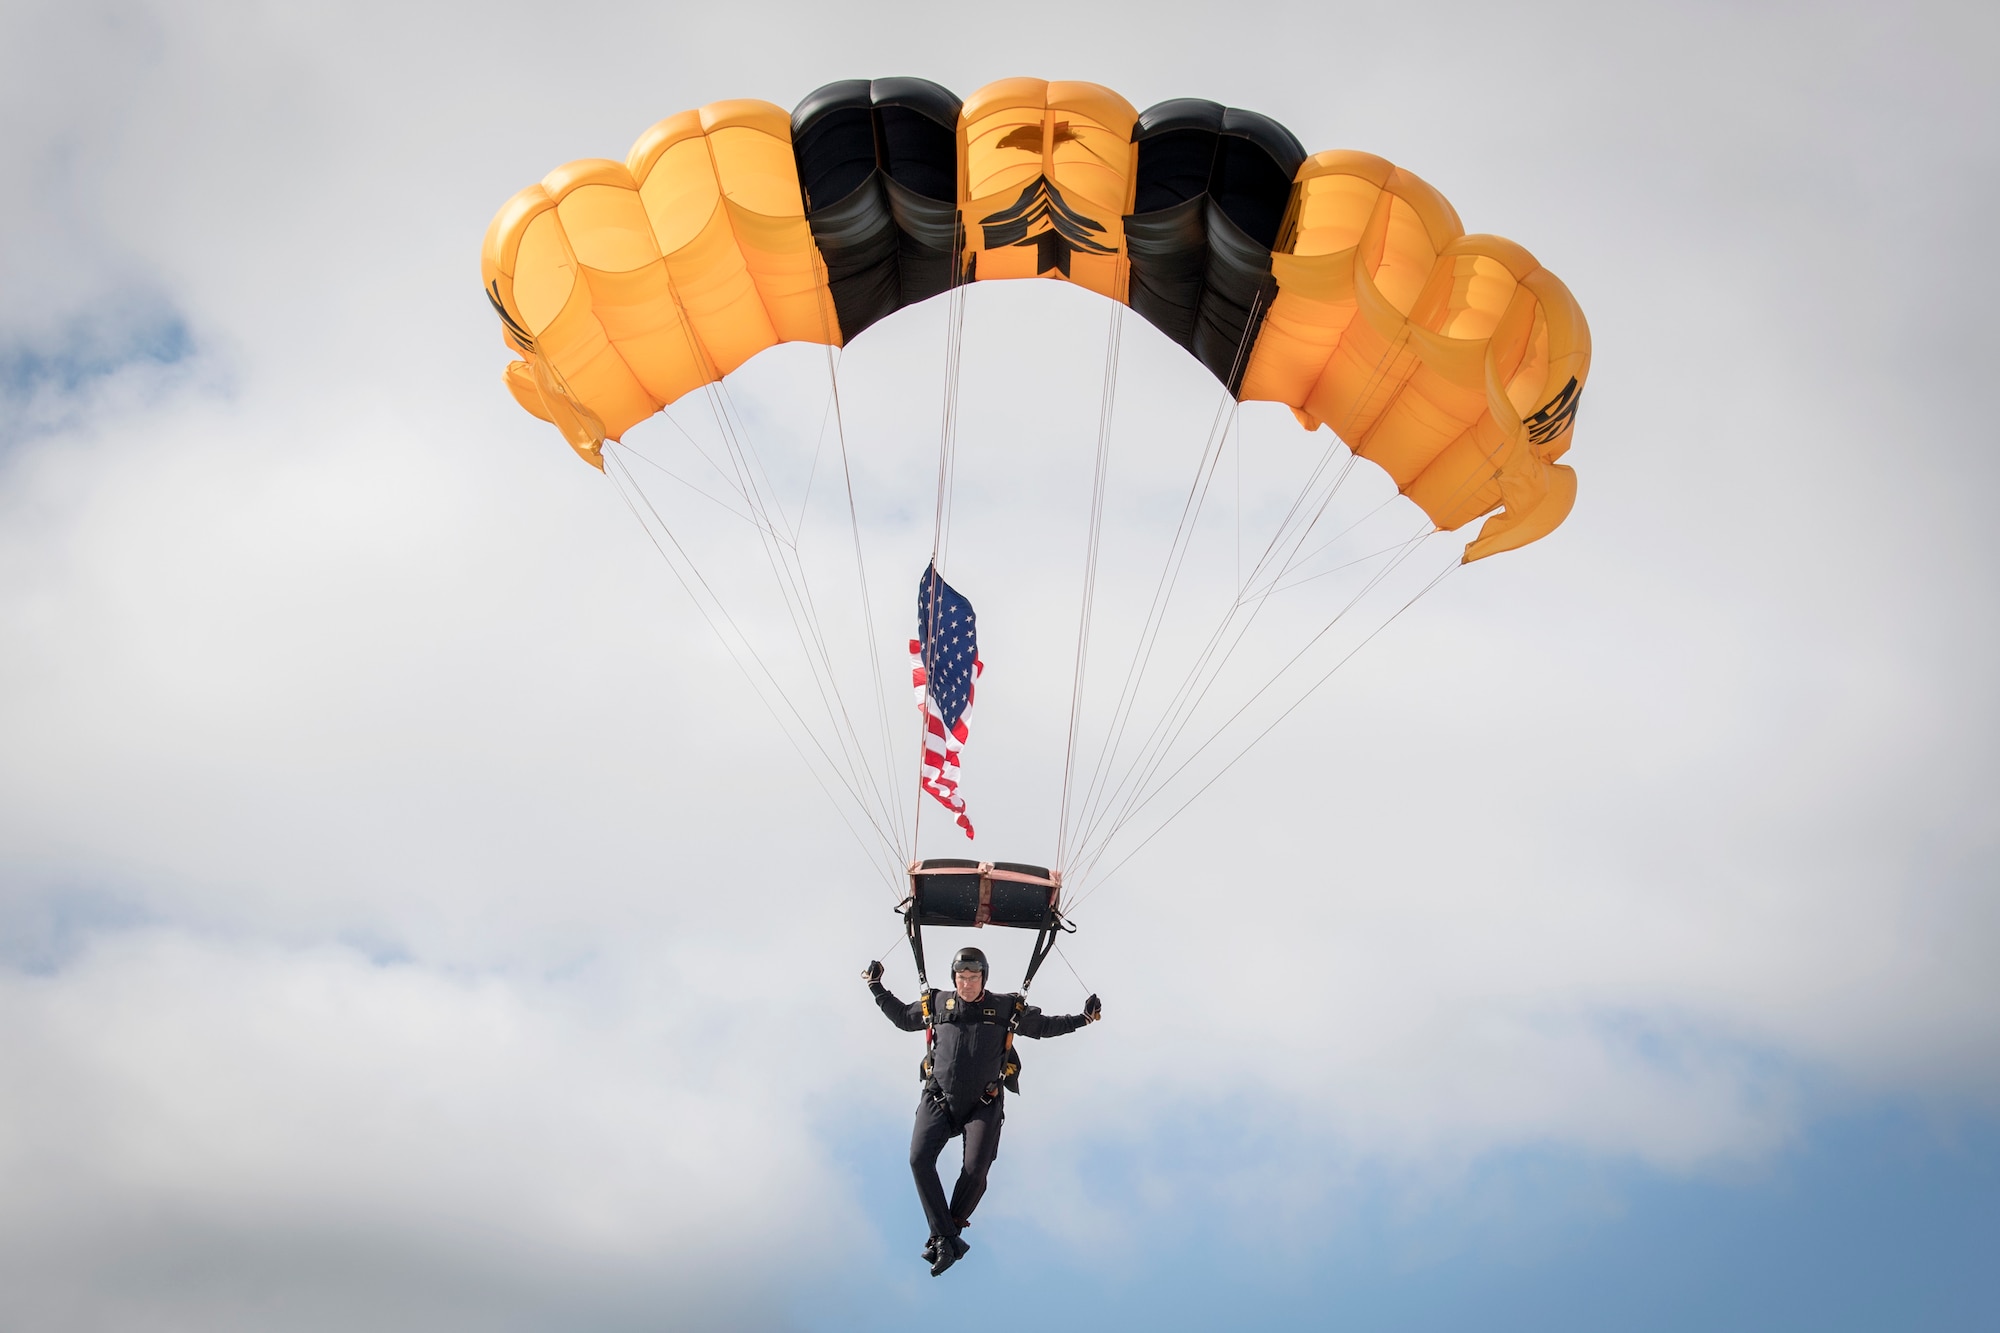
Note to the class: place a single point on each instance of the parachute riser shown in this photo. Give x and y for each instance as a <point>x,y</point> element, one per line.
<point>915,932</point>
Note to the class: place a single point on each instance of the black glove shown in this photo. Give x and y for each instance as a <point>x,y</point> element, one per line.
<point>872,974</point>
<point>1093,1009</point>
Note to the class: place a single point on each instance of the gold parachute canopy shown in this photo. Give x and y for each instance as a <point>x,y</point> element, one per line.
<point>1335,283</point>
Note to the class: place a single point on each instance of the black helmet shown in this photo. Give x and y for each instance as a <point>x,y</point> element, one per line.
<point>968,959</point>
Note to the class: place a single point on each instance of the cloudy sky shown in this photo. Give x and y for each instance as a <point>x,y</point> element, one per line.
<point>410,919</point>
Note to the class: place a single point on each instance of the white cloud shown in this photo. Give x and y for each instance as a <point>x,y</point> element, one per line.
<point>478,1139</point>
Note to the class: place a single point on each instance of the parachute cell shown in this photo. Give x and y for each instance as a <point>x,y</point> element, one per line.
<point>1335,283</point>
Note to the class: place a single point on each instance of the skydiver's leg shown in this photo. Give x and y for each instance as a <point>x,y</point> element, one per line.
<point>982,1145</point>
<point>932,1131</point>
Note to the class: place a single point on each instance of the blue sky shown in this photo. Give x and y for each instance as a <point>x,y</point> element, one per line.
<point>1877,1219</point>
<point>49,383</point>
<point>408,918</point>
<point>88,354</point>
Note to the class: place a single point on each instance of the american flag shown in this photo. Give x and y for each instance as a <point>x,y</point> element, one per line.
<point>944,663</point>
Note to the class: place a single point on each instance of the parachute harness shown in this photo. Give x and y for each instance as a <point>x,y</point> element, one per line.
<point>1048,929</point>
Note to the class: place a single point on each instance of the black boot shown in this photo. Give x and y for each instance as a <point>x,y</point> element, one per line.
<point>949,1251</point>
<point>931,1250</point>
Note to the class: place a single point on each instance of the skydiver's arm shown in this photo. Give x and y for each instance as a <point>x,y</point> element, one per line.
<point>1035,1023</point>
<point>909,1017</point>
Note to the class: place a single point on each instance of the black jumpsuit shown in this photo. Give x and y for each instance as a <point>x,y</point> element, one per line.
<point>963,1093</point>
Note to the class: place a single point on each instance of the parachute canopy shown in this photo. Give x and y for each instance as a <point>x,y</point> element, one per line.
<point>1335,283</point>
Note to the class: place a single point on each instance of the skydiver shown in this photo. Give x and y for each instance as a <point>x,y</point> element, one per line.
<point>967,1072</point>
